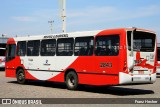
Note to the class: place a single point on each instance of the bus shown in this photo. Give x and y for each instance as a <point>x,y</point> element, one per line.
<point>98,58</point>
<point>2,57</point>
<point>3,42</point>
<point>158,58</point>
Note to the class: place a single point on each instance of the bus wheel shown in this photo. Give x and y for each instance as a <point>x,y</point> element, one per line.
<point>71,80</point>
<point>21,76</point>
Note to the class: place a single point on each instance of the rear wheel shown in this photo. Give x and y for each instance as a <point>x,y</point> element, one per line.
<point>21,76</point>
<point>72,80</point>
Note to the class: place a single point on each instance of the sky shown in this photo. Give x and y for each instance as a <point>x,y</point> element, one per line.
<point>30,17</point>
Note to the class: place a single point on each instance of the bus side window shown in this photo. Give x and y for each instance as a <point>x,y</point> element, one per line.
<point>21,48</point>
<point>65,47</point>
<point>107,45</point>
<point>83,46</point>
<point>48,47</point>
<point>33,48</point>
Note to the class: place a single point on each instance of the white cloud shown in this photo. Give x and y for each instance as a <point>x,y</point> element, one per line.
<point>140,12</point>
<point>93,15</point>
<point>38,16</point>
<point>23,18</point>
<point>90,11</point>
<point>88,18</point>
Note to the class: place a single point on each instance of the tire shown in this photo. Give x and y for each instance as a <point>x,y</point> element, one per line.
<point>71,80</point>
<point>21,76</point>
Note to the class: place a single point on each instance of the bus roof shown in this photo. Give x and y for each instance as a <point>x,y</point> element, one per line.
<point>74,34</point>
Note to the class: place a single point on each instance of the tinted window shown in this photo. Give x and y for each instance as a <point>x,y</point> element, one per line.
<point>2,52</point>
<point>107,45</point>
<point>158,54</point>
<point>2,45</point>
<point>48,47</point>
<point>33,48</point>
<point>83,46</point>
<point>142,41</point>
<point>21,48</point>
<point>65,47</point>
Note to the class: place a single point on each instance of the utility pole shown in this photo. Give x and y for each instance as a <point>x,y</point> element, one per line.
<point>51,26</point>
<point>63,14</point>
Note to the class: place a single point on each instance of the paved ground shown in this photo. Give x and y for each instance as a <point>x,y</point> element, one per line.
<point>9,88</point>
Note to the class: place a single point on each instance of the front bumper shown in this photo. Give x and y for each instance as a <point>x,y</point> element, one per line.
<point>2,65</point>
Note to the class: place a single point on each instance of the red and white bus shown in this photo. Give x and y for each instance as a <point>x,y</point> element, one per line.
<point>3,41</point>
<point>104,57</point>
<point>158,58</point>
<point>2,53</point>
<point>2,57</point>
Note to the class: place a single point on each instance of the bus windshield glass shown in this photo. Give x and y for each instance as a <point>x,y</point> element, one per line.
<point>158,54</point>
<point>142,41</point>
<point>2,52</point>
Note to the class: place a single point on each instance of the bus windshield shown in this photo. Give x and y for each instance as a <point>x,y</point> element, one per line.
<point>2,52</point>
<point>142,41</point>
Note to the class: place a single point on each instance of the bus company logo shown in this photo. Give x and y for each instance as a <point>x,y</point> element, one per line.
<point>56,36</point>
<point>6,101</point>
<point>29,59</point>
<point>46,62</point>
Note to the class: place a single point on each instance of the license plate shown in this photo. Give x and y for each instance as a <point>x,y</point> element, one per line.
<point>147,78</point>
<point>140,68</point>
<point>136,78</point>
<point>140,72</point>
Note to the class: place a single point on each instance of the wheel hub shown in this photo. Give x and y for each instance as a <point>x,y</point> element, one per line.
<point>71,81</point>
<point>21,76</point>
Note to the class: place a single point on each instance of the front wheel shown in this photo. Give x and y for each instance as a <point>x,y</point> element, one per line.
<point>72,80</point>
<point>21,76</point>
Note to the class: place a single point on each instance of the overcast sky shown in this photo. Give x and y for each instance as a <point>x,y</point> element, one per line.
<point>30,17</point>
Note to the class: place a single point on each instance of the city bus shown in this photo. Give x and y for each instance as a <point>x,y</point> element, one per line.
<point>98,58</point>
<point>2,57</point>
<point>2,54</point>
<point>158,58</point>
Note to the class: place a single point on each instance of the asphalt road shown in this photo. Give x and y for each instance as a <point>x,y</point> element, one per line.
<point>9,88</point>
